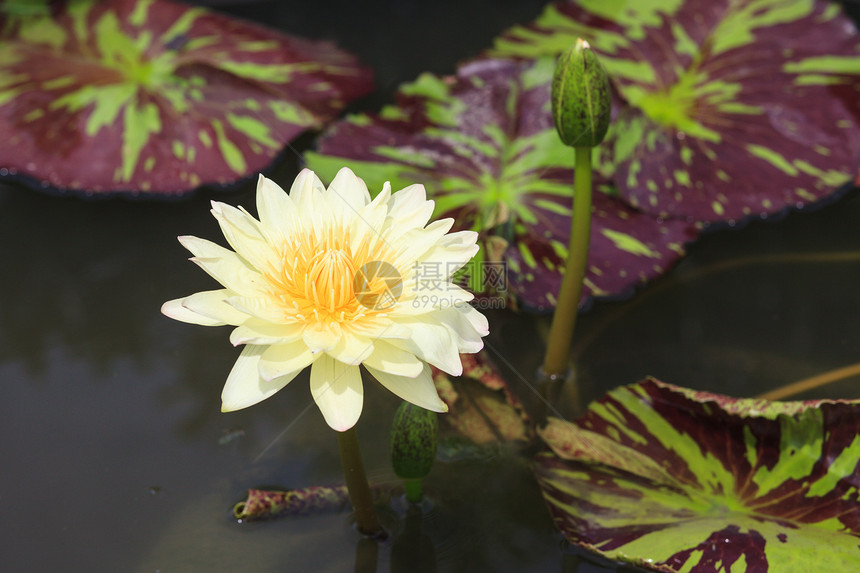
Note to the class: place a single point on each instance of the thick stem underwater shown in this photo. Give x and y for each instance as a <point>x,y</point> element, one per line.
<point>414,490</point>
<point>356,483</point>
<point>564,320</point>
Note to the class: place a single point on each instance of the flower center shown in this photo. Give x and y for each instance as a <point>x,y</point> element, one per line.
<point>315,276</point>
<point>328,281</point>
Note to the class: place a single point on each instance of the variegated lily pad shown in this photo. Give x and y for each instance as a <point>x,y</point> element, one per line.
<point>677,480</point>
<point>481,406</point>
<point>733,108</point>
<point>484,145</point>
<point>157,97</point>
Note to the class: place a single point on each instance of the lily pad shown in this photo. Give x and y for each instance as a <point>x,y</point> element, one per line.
<point>731,108</point>
<point>155,97</point>
<point>677,480</point>
<point>481,406</point>
<point>484,145</point>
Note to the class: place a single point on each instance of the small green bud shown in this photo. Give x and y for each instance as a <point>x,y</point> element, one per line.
<point>413,441</point>
<point>581,100</point>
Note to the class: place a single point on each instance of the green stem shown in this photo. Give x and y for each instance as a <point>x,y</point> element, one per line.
<point>366,555</point>
<point>414,493</point>
<point>557,354</point>
<point>356,483</point>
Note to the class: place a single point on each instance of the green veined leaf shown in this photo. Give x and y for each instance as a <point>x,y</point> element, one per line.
<point>484,145</point>
<point>730,108</point>
<point>154,97</point>
<point>677,480</point>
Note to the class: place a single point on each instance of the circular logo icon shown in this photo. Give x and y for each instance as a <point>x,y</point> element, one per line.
<point>377,285</point>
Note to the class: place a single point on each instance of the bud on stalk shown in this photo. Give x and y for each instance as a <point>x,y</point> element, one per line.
<point>581,101</point>
<point>413,446</point>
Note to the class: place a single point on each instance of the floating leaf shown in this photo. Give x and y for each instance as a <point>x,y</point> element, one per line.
<point>313,500</point>
<point>484,145</point>
<point>266,503</point>
<point>677,480</point>
<point>481,405</point>
<point>732,108</point>
<point>156,97</point>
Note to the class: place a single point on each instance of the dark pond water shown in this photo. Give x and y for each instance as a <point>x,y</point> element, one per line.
<point>111,438</point>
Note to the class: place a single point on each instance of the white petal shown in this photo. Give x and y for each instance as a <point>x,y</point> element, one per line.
<point>261,307</point>
<point>175,310</point>
<point>413,245</point>
<point>351,349</point>
<point>467,325</point>
<point>206,308</point>
<point>282,359</point>
<point>274,207</point>
<point>304,192</point>
<point>419,390</point>
<point>378,327</point>
<point>388,358</point>
<point>370,219</point>
<point>244,387</point>
<point>243,233</point>
<point>322,337</point>
<point>422,296</point>
<point>213,304</point>
<point>346,195</point>
<point>221,264</point>
<point>256,331</point>
<point>433,343</point>
<point>338,392</point>
<point>409,209</point>
<point>451,251</point>
<point>306,183</point>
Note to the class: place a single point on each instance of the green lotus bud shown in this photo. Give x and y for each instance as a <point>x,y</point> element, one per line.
<point>413,441</point>
<point>413,446</point>
<point>581,101</point>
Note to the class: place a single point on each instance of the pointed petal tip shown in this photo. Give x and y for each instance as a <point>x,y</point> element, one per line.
<point>345,170</point>
<point>337,418</point>
<point>340,427</point>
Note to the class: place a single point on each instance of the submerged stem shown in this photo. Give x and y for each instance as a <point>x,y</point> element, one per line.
<point>564,320</point>
<point>811,383</point>
<point>414,490</point>
<point>356,483</point>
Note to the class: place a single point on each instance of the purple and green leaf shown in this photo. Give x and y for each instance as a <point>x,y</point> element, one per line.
<point>484,145</point>
<point>677,480</point>
<point>155,97</point>
<point>482,407</point>
<point>729,109</point>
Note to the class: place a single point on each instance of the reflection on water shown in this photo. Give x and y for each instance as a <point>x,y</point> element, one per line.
<point>111,427</point>
<point>113,446</point>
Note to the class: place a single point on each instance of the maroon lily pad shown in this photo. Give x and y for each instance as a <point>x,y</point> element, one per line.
<point>155,97</point>
<point>678,480</point>
<point>484,145</point>
<point>481,405</point>
<point>730,108</point>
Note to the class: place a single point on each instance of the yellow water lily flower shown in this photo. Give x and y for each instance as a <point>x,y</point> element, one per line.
<point>331,279</point>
